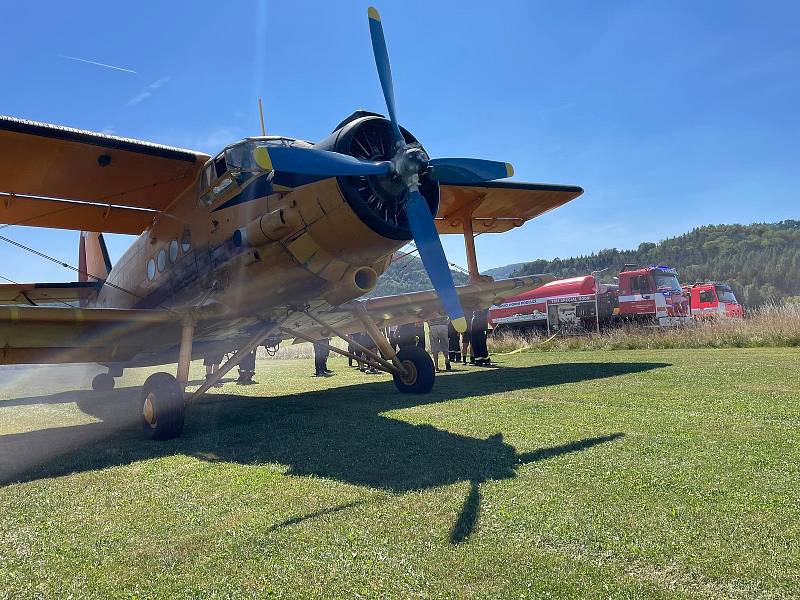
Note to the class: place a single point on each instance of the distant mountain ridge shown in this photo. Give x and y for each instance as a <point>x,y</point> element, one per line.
<point>407,274</point>
<point>761,262</point>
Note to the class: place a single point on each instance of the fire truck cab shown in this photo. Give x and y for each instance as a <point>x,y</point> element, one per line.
<point>652,294</point>
<point>711,299</point>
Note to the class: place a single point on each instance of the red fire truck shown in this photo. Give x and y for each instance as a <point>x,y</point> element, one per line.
<point>711,299</point>
<point>651,295</point>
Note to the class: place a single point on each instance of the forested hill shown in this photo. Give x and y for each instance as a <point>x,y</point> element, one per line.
<point>406,274</point>
<point>760,261</point>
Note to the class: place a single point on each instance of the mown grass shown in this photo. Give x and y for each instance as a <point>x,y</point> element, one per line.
<point>578,474</point>
<point>770,326</point>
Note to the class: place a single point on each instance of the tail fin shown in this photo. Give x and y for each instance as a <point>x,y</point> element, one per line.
<point>93,261</point>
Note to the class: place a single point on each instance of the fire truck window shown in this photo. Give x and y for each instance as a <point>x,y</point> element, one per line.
<point>641,285</point>
<point>667,281</point>
<point>726,295</point>
<point>706,296</point>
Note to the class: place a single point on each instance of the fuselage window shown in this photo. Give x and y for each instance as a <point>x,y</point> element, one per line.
<point>173,251</point>
<point>186,241</point>
<point>162,260</point>
<point>151,269</point>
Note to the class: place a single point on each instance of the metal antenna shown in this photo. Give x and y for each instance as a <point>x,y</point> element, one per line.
<point>261,115</point>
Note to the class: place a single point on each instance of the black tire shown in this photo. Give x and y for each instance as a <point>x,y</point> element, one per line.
<point>103,382</point>
<point>162,407</point>
<point>420,368</point>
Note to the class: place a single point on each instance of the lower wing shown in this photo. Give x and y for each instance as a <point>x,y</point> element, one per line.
<point>51,335</point>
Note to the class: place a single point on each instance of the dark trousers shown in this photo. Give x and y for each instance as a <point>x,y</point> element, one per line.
<point>321,353</point>
<point>248,363</point>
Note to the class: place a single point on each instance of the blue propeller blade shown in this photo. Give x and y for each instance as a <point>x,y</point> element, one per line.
<point>468,170</point>
<point>311,161</point>
<point>430,250</point>
<point>384,69</point>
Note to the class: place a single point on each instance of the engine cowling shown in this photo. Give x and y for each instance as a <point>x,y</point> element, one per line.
<point>379,200</point>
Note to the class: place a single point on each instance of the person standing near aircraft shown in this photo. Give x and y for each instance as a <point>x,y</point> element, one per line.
<point>321,353</point>
<point>407,335</point>
<point>454,343</point>
<point>466,347</point>
<point>211,363</point>
<point>352,350</point>
<point>247,369</point>
<point>478,329</point>
<point>440,341</point>
<point>365,340</point>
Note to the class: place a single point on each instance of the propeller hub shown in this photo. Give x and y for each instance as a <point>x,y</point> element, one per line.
<point>409,163</point>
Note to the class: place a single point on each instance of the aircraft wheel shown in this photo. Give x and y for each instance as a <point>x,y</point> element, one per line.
<point>421,372</point>
<point>162,407</point>
<point>103,382</point>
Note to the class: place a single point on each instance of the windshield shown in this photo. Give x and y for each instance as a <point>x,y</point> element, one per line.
<point>724,294</point>
<point>666,281</point>
<point>239,157</point>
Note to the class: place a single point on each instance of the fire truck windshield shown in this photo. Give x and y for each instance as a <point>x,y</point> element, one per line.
<point>724,294</point>
<point>667,281</point>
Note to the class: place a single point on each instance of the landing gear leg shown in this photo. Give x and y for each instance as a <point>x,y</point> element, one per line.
<point>234,360</point>
<point>411,368</point>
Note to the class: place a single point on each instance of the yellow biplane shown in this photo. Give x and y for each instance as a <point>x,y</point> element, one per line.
<point>272,239</point>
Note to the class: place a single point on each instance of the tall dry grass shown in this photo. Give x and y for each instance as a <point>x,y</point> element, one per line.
<point>772,325</point>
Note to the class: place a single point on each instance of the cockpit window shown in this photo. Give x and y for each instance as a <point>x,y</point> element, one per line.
<point>239,157</point>
<point>208,176</point>
<point>219,165</point>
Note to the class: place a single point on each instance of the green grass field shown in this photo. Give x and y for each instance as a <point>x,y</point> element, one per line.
<point>626,474</point>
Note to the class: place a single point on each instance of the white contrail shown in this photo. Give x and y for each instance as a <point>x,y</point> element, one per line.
<point>99,64</point>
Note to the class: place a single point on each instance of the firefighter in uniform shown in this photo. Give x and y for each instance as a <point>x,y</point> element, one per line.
<point>479,327</point>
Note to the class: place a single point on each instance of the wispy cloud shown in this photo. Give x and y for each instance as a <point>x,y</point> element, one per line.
<point>98,64</point>
<point>148,91</point>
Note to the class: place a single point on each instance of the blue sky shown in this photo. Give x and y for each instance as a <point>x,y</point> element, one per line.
<point>669,115</point>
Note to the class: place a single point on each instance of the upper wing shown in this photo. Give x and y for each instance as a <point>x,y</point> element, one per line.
<point>498,206</point>
<point>35,294</point>
<point>414,306</point>
<point>49,335</point>
<point>53,176</point>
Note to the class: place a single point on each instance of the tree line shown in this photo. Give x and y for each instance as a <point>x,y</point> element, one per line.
<point>761,262</point>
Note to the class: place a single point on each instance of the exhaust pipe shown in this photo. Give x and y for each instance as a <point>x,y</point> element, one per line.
<point>355,282</point>
<point>270,227</point>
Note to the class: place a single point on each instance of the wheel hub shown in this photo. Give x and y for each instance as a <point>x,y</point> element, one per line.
<point>410,377</point>
<point>148,411</point>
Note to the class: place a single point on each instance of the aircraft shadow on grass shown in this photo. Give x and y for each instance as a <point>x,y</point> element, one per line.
<point>338,433</point>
